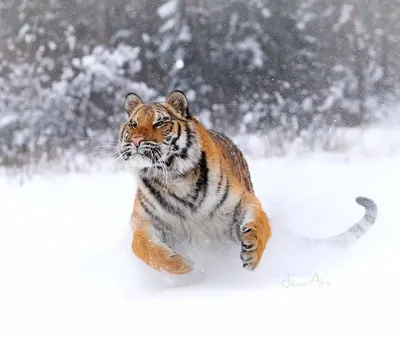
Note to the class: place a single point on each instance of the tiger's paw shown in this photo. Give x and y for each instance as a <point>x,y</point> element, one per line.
<point>175,264</point>
<point>251,247</point>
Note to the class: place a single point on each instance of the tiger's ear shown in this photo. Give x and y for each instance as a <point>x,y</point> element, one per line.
<point>132,100</point>
<point>177,99</point>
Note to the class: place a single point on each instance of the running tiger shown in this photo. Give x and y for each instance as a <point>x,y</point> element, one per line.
<point>194,186</point>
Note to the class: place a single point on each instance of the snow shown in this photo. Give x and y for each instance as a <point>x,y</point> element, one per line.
<point>23,31</point>
<point>266,13</point>
<point>250,44</point>
<point>179,64</point>
<point>167,9</point>
<point>168,25</point>
<point>307,104</point>
<point>107,63</point>
<point>67,267</point>
<point>7,119</point>
<point>185,35</point>
<point>345,16</point>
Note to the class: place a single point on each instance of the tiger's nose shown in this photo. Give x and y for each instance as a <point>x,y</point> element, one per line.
<point>137,140</point>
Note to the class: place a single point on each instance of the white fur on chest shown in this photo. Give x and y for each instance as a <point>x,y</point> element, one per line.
<point>201,228</point>
<point>207,223</point>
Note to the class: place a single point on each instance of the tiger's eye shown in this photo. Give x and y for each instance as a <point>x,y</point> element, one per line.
<point>133,125</point>
<point>159,124</point>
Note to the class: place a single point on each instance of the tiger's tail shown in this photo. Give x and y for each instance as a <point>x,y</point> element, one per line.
<point>357,230</point>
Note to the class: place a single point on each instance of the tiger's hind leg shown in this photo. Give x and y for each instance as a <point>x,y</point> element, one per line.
<point>254,232</point>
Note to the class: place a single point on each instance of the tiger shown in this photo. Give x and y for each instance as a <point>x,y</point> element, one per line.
<point>193,186</point>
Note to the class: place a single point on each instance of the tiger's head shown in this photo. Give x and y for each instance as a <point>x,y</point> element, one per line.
<point>158,135</point>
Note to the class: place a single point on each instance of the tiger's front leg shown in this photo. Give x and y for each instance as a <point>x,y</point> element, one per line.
<point>254,232</point>
<point>149,248</point>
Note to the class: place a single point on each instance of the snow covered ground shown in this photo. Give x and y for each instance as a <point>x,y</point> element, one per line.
<point>67,267</point>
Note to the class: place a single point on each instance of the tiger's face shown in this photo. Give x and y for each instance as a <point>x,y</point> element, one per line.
<point>152,132</point>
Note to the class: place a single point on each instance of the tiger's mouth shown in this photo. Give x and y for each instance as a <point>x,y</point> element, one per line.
<point>130,152</point>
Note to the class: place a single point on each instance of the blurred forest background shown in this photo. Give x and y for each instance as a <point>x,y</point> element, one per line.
<point>281,69</point>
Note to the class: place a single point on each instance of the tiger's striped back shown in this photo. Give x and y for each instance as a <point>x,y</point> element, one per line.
<point>234,159</point>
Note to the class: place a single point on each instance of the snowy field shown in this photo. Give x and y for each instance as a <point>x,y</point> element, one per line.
<point>67,268</point>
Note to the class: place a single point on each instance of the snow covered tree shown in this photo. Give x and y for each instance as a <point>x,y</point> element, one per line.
<point>286,69</point>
